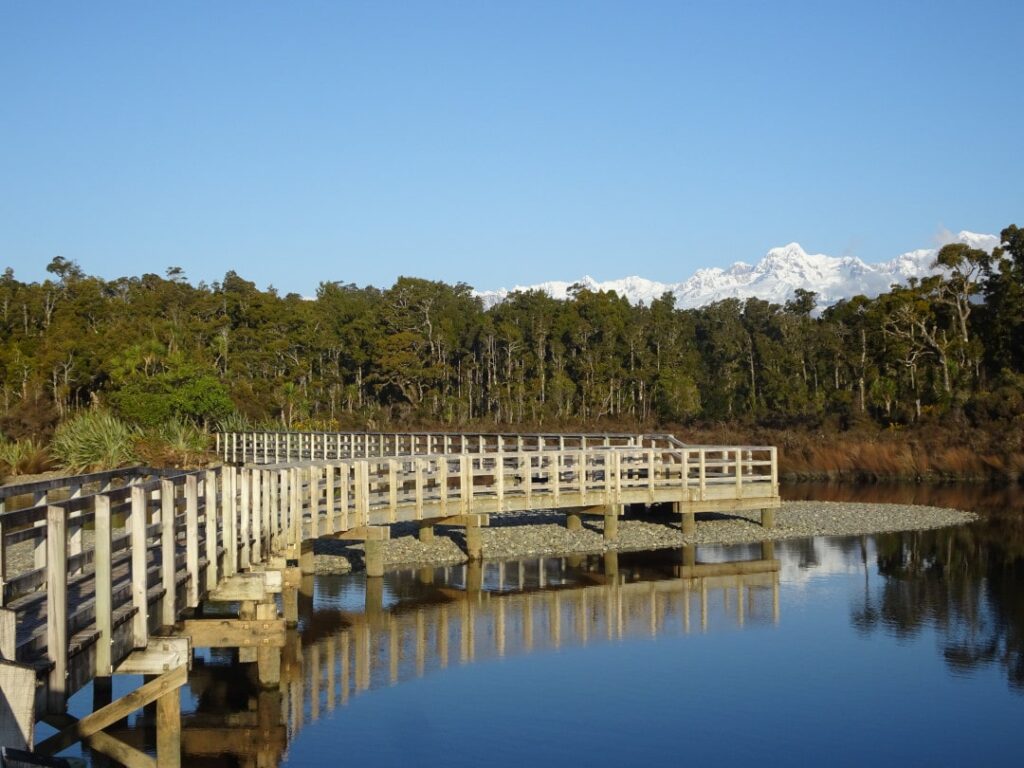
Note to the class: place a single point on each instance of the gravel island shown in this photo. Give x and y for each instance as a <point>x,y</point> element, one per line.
<point>531,534</point>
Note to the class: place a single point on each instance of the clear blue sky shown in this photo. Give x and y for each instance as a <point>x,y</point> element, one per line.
<point>499,142</point>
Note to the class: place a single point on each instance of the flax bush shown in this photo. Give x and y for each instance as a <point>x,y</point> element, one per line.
<point>94,440</point>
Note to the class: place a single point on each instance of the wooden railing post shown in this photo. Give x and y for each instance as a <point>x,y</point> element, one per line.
<point>192,539</point>
<point>229,534</point>
<point>57,606</point>
<point>210,525</point>
<point>245,506</point>
<point>140,578</point>
<point>168,607</point>
<point>104,584</point>
<point>256,552</point>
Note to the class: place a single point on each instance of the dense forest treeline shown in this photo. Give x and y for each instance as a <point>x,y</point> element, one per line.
<point>944,354</point>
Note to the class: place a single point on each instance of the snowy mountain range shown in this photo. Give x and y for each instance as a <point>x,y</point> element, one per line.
<point>774,278</point>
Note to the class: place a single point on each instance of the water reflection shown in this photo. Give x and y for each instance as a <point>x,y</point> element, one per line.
<point>964,582</point>
<point>357,634</point>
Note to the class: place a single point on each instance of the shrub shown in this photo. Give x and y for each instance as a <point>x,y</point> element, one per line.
<point>176,443</point>
<point>94,440</point>
<point>23,457</point>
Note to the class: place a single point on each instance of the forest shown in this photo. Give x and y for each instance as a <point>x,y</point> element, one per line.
<point>927,379</point>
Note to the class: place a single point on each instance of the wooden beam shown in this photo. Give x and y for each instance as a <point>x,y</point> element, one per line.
<point>138,521</point>
<point>115,749</point>
<point>168,730</point>
<point>104,585</point>
<point>235,633</point>
<point>161,655</point>
<point>365,533</point>
<point>110,714</point>
<point>8,633</point>
<point>168,607</point>
<point>247,586</point>
<point>17,716</point>
<point>57,605</point>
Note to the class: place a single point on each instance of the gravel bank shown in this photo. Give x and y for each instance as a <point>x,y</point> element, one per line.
<point>529,534</point>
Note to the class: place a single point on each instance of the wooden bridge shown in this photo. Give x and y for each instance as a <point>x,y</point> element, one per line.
<point>164,544</point>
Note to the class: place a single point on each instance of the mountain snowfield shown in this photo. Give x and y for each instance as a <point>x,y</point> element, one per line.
<point>774,278</point>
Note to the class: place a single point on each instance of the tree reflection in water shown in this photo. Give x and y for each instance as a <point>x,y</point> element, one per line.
<point>965,582</point>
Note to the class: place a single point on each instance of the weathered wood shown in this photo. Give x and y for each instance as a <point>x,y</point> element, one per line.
<point>244,509</point>
<point>126,755</point>
<point>168,730</point>
<point>235,633</point>
<point>210,527</point>
<point>110,714</point>
<point>57,606</point>
<point>168,606</point>
<point>17,716</point>
<point>8,634</point>
<point>192,539</point>
<point>247,586</point>
<point>138,522</point>
<point>230,520</point>
<point>104,586</point>
<point>161,655</point>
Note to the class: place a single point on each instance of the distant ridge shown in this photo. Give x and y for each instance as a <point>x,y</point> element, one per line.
<point>774,278</point>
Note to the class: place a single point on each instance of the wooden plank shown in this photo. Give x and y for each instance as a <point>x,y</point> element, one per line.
<point>245,586</point>
<point>244,510</point>
<point>138,523</point>
<point>235,633</point>
<point>161,655</point>
<point>168,730</point>
<point>256,553</point>
<point>330,477</point>
<point>103,586</point>
<point>57,605</point>
<point>117,750</point>
<point>110,714</point>
<point>168,571</point>
<point>192,539</point>
<point>314,502</point>
<point>8,634</point>
<point>210,527</point>
<point>229,519</point>
<point>17,716</point>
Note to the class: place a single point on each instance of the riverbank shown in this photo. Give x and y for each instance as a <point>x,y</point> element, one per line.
<point>532,534</point>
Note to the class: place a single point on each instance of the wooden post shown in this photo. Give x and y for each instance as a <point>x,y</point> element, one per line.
<point>611,522</point>
<point>17,717</point>
<point>330,524</point>
<point>192,539</point>
<point>104,584</point>
<point>767,517</point>
<point>573,522</point>
<point>57,606</point>
<point>210,525</point>
<point>168,608</point>
<point>139,520</point>
<point>314,502</point>
<point>374,554</point>
<point>245,506</point>
<point>168,729</point>
<point>256,553</point>
<point>229,533</point>
<point>474,540</point>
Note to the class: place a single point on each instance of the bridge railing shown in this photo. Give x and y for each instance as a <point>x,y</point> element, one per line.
<point>332,496</point>
<point>278,447</point>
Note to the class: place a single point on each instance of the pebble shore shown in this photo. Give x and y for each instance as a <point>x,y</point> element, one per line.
<point>531,534</point>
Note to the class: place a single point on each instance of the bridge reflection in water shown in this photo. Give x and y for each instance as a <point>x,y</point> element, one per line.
<point>357,634</point>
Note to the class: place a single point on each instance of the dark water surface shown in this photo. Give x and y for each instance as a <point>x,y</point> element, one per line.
<point>895,649</point>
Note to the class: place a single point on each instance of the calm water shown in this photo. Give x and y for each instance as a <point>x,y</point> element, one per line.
<point>894,649</point>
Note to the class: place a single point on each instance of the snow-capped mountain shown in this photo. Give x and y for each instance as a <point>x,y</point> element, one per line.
<point>774,278</point>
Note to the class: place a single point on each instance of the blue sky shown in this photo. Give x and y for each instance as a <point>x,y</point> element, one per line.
<point>499,143</point>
